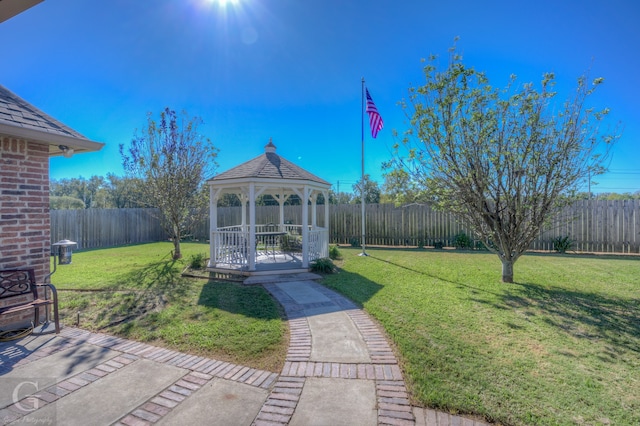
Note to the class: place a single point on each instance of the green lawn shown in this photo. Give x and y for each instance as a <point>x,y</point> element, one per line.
<point>560,346</point>
<point>138,292</point>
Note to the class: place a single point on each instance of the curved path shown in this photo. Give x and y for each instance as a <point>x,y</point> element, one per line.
<point>339,370</point>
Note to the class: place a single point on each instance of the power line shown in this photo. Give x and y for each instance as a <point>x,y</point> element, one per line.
<point>620,173</point>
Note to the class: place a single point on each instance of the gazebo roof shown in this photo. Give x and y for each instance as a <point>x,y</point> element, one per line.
<point>268,166</point>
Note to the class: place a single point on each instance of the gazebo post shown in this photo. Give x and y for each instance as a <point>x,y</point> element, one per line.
<point>213,224</point>
<point>244,202</point>
<point>305,227</point>
<point>281,200</point>
<point>251,250</point>
<point>314,219</point>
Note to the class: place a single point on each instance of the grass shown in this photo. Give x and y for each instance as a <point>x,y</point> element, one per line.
<point>559,346</point>
<point>138,292</point>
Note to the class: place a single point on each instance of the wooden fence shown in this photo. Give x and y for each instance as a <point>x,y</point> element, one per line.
<point>609,226</point>
<point>94,228</point>
<point>593,225</point>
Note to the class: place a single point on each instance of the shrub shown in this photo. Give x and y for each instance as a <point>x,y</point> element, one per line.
<point>323,265</point>
<point>334,253</point>
<point>562,244</point>
<point>438,245</point>
<point>462,241</point>
<point>197,261</point>
<point>354,242</point>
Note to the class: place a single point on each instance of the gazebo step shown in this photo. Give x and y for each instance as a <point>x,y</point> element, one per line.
<point>280,277</point>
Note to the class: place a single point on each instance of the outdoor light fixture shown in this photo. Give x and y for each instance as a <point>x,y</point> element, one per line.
<point>64,251</point>
<point>61,252</point>
<point>66,151</point>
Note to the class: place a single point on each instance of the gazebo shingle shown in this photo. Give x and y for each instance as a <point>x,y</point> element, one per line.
<point>269,166</point>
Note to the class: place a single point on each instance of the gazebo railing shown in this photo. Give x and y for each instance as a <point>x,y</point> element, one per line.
<point>268,227</point>
<point>230,247</point>
<point>318,244</point>
<point>231,244</point>
<point>236,228</point>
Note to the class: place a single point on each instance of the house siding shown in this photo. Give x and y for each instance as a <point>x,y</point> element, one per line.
<point>24,213</point>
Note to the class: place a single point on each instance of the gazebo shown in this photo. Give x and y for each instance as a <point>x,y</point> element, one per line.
<point>282,245</point>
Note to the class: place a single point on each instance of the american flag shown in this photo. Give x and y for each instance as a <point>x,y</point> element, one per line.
<point>375,120</point>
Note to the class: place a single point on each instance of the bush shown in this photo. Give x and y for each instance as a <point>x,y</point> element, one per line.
<point>438,245</point>
<point>479,245</point>
<point>197,261</point>
<point>323,265</point>
<point>334,253</point>
<point>354,242</point>
<point>562,244</point>
<point>462,241</point>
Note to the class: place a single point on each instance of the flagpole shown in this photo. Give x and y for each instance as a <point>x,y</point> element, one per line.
<point>362,183</point>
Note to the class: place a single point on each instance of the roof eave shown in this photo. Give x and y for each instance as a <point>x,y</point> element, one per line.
<point>51,139</point>
<point>11,8</point>
<point>273,182</point>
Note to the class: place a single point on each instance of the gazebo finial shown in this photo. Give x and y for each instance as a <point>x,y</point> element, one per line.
<point>270,147</point>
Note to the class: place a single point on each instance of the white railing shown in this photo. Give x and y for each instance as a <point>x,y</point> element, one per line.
<point>230,247</point>
<point>293,229</point>
<point>318,244</point>
<point>237,228</point>
<point>231,244</point>
<point>269,227</point>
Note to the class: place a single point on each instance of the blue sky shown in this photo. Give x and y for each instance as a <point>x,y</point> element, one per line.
<point>291,70</point>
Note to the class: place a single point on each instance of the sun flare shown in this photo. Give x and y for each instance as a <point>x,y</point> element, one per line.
<point>224,3</point>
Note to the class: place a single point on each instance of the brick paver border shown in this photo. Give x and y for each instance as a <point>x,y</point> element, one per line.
<point>63,388</point>
<point>165,401</point>
<point>281,403</point>
<point>221,369</point>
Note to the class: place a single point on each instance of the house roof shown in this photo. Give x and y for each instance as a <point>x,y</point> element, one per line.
<point>269,166</point>
<point>10,8</point>
<point>18,118</point>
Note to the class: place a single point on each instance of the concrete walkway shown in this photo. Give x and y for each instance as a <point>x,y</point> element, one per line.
<point>339,370</point>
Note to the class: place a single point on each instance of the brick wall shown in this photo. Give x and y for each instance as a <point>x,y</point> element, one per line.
<point>24,212</point>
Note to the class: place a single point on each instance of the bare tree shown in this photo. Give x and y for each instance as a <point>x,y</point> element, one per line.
<point>172,160</point>
<point>501,160</point>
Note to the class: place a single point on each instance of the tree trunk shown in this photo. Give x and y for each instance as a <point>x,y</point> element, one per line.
<point>177,254</point>
<point>507,270</point>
